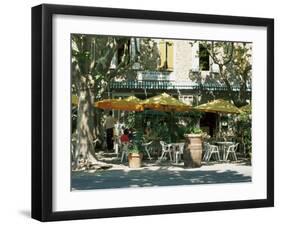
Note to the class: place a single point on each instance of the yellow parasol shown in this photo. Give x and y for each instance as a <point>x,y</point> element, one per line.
<point>219,106</point>
<point>128,104</point>
<point>164,102</point>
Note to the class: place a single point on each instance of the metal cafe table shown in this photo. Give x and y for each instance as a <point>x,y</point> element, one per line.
<point>223,145</point>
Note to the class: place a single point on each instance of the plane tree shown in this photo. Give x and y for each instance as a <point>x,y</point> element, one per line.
<point>96,61</point>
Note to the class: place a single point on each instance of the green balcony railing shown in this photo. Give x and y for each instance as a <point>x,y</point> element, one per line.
<point>168,84</point>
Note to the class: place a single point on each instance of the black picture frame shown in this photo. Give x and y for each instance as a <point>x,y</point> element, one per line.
<point>42,106</point>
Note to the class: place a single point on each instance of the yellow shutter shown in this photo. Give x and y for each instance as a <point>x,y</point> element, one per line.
<point>170,57</point>
<point>162,52</point>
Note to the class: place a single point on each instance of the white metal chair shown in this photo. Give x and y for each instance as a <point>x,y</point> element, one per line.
<point>206,151</point>
<point>147,149</point>
<point>178,151</point>
<point>232,150</point>
<point>124,151</point>
<point>166,148</point>
<point>212,150</point>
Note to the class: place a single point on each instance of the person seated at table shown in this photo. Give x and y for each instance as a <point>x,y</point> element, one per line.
<point>125,137</point>
<point>125,142</point>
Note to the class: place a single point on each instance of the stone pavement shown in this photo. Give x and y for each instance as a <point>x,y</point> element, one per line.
<point>121,176</point>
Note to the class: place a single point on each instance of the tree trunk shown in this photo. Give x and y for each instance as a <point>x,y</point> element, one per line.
<point>85,150</point>
<point>98,126</point>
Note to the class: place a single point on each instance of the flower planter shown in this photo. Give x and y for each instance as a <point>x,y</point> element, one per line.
<point>192,154</point>
<point>135,160</point>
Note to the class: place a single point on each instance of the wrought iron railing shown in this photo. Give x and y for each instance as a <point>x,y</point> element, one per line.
<point>168,84</point>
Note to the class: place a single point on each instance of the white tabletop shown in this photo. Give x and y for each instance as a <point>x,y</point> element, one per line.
<point>224,142</point>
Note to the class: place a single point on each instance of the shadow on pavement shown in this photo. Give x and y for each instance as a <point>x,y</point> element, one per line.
<point>118,178</point>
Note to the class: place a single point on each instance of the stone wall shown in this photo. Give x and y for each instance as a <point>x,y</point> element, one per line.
<point>182,60</point>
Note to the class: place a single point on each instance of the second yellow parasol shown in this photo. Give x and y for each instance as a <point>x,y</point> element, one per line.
<point>128,104</point>
<point>165,102</point>
<point>219,106</point>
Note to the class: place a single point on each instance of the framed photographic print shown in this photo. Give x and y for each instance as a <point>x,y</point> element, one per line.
<point>146,112</point>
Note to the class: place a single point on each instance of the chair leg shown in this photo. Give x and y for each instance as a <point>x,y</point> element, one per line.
<point>223,154</point>
<point>162,155</point>
<point>235,157</point>
<point>176,158</point>
<point>209,157</point>
<point>219,158</point>
<point>227,154</point>
<point>149,157</point>
<point>170,155</point>
<point>204,156</point>
<point>216,156</point>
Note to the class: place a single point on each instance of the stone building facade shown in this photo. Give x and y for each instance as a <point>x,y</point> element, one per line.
<point>180,61</point>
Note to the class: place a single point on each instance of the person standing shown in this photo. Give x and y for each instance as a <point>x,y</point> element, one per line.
<point>109,126</point>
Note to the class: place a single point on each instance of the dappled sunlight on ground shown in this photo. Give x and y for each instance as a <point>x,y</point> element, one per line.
<point>163,174</point>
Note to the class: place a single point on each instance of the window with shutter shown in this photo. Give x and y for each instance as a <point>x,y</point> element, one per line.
<point>204,58</point>
<point>162,52</point>
<point>170,56</point>
<point>166,51</point>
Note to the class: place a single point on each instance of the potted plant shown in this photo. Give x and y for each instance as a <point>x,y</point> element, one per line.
<point>135,152</point>
<point>192,154</point>
<point>135,156</point>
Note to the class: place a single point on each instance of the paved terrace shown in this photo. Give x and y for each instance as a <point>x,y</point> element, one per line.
<point>165,174</point>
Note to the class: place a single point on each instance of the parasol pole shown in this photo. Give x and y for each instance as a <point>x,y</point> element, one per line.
<point>219,121</point>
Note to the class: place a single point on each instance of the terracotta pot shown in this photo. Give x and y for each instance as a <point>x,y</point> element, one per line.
<point>192,154</point>
<point>135,160</point>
